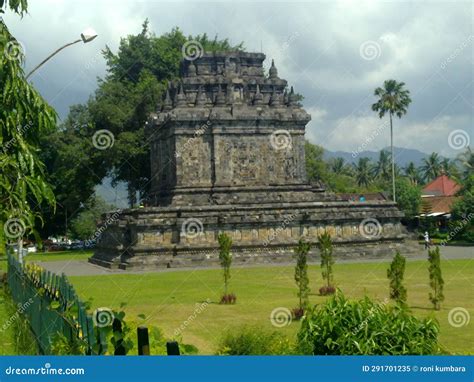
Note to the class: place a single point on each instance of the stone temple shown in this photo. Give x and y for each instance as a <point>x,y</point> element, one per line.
<point>227,155</point>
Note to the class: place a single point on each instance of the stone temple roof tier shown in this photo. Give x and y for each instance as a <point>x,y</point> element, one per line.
<point>234,86</point>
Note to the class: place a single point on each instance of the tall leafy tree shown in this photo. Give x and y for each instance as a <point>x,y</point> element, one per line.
<point>137,78</point>
<point>327,261</point>
<point>225,258</point>
<point>24,118</point>
<point>436,278</point>
<point>301,272</point>
<point>396,274</point>
<point>393,99</point>
<point>431,167</point>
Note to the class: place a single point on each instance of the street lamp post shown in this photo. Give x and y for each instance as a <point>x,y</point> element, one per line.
<point>87,36</point>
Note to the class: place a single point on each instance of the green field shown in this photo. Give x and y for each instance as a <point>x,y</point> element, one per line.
<point>6,333</point>
<point>168,299</point>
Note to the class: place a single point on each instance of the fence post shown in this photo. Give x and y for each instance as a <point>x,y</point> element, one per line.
<point>143,341</point>
<point>172,348</point>
<point>117,329</point>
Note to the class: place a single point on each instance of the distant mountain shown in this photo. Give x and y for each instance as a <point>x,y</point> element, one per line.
<point>402,156</point>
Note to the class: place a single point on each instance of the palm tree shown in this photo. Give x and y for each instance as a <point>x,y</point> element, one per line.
<point>382,167</point>
<point>450,168</point>
<point>412,173</point>
<point>431,167</point>
<point>338,166</point>
<point>393,99</point>
<point>362,171</point>
<point>466,159</point>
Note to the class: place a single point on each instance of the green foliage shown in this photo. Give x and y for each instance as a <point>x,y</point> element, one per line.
<point>462,225</point>
<point>363,172</point>
<point>225,257</point>
<point>408,197</point>
<point>84,224</point>
<point>431,167</point>
<point>316,168</point>
<point>24,118</point>
<point>344,327</point>
<point>250,340</point>
<point>301,272</point>
<point>436,278</point>
<point>393,99</point>
<point>327,260</point>
<point>395,274</point>
<point>73,181</point>
<point>61,345</point>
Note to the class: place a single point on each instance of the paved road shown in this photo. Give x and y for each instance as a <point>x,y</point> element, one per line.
<point>83,268</point>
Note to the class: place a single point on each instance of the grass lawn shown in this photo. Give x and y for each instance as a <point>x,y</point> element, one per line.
<point>58,256</point>
<point>50,256</point>
<point>6,333</point>
<point>168,299</point>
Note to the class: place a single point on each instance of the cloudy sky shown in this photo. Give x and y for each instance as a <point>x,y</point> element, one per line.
<point>334,53</point>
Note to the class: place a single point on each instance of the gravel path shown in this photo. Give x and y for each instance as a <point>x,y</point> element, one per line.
<point>84,268</point>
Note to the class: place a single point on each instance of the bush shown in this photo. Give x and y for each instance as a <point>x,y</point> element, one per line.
<point>229,298</point>
<point>327,290</point>
<point>395,274</point>
<point>344,327</point>
<point>254,341</point>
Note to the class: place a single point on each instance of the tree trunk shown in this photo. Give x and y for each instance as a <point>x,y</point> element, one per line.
<point>393,159</point>
<point>132,195</point>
